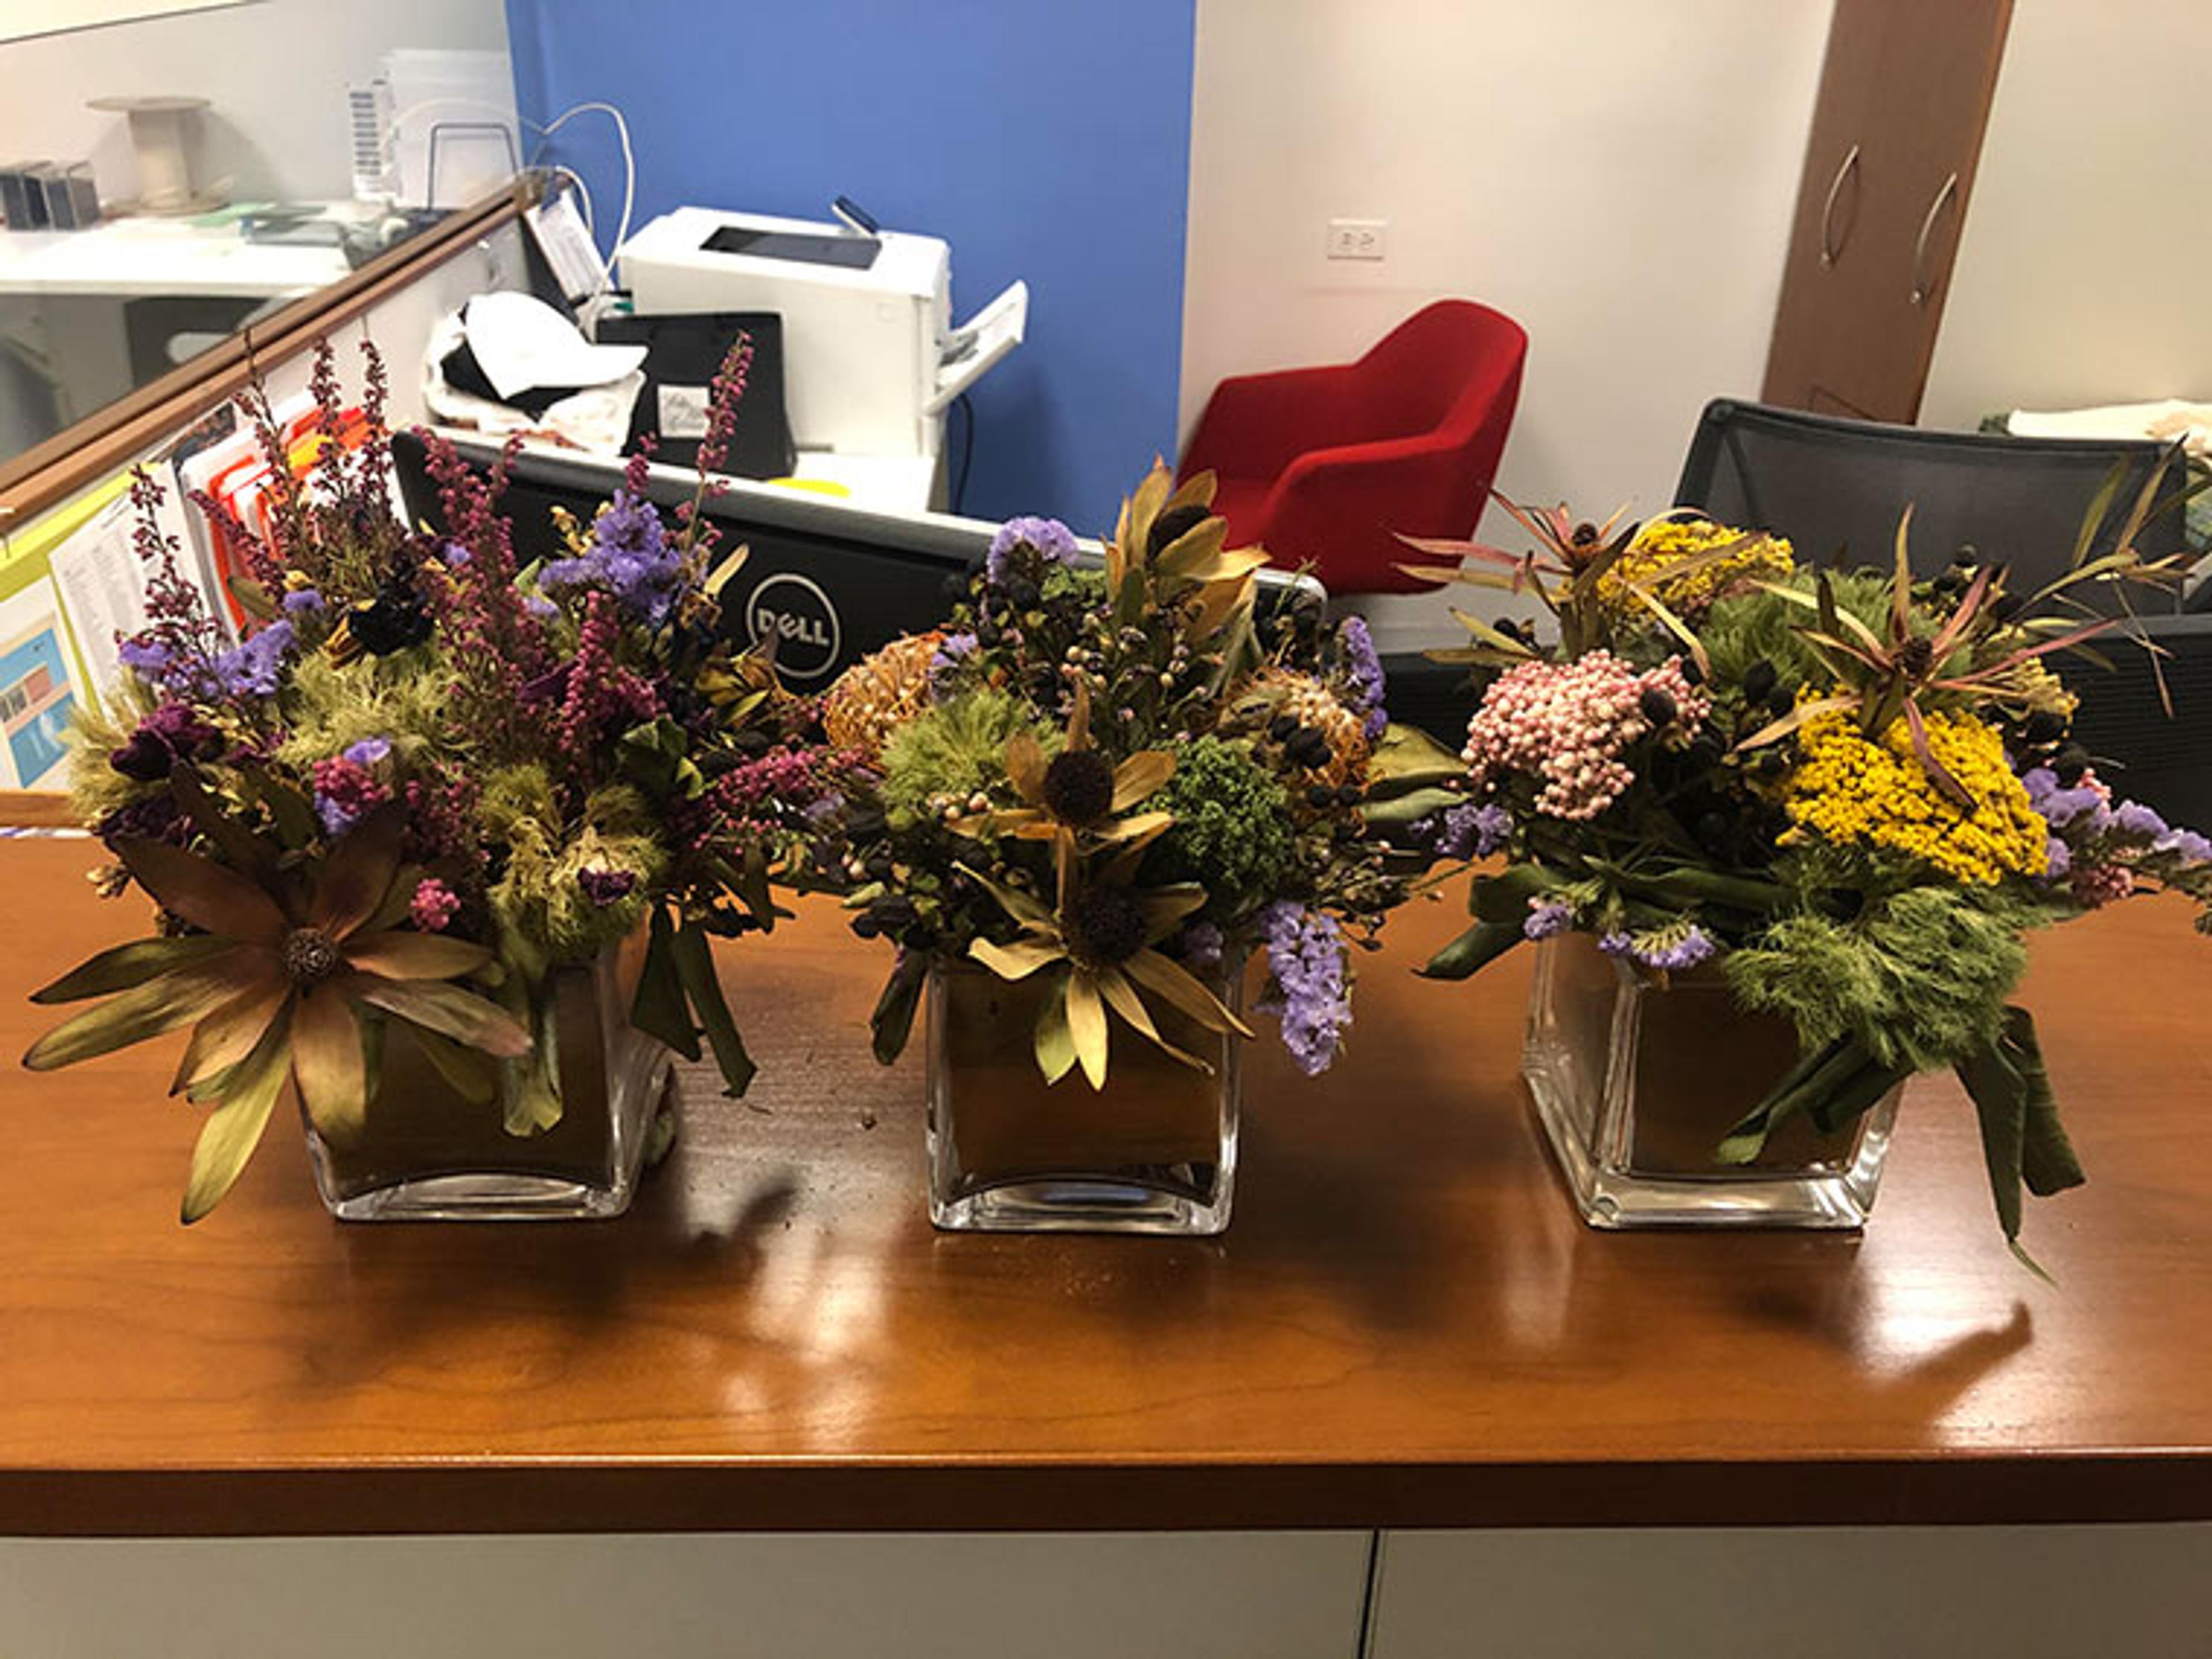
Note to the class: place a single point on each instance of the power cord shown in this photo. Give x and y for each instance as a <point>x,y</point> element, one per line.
<point>967,450</point>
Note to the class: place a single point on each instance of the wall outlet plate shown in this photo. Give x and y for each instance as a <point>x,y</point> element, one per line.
<point>1358,239</point>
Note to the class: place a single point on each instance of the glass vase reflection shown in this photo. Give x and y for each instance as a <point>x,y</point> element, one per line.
<point>1153,1151</point>
<point>1637,1084</point>
<point>430,1150</point>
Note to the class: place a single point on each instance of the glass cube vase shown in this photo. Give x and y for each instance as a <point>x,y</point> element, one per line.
<point>1637,1084</point>
<point>427,1153</point>
<point>1153,1151</point>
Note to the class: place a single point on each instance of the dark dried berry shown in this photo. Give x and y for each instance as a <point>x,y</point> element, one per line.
<point>1965,558</point>
<point>1281,727</point>
<point>1657,707</point>
<point>1691,674</point>
<point>1078,787</point>
<point>1349,794</point>
<point>1780,699</point>
<point>2045,726</point>
<point>1105,926</point>
<point>2006,606</point>
<point>1319,795</point>
<point>1759,680</point>
<point>2070,764</point>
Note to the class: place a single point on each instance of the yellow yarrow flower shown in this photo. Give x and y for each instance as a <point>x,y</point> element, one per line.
<point>1666,543</point>
<point>1849,788</point>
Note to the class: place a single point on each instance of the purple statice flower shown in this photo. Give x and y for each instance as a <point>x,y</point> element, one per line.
<point>1363,667</point>
<point>1202,947</point>
<point>369,752</point>
<point>2184,845</point>
<point>540,607</point>
<point>1614,943</point>
<point>1049,537</point>
<point>1305,962</point>
<point>606,887</point>
<point>1674,951</point>
<point>1547,919</point>
<point>1469,831</point>
<point>2140,822</point>
<point>2083,808</point>
<point>629,556</point>
<point>147,657</point>
<point>303,602</point>
<point>453,556</point>
<point>251,670</point>
<point>952,651</point>
<point>2058,860</point>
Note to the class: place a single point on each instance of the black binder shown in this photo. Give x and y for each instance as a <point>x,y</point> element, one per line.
<point>682,353</point>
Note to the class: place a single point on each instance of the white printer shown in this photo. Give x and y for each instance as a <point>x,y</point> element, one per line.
<point>871,358</point>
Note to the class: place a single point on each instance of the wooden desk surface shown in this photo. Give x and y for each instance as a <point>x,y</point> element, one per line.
<point>1406,1326</point>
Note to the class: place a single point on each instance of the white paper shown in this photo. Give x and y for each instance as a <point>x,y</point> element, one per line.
<point>102,584</point>
<point>521,343</point>
<point>682,411</point>
<point>37,695</point>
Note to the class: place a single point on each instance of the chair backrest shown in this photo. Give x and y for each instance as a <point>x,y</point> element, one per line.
<point>1829,484</point>
<point>1439,370</point>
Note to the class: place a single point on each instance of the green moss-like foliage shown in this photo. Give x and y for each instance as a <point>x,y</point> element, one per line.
<point>402,697</point>
<point>1232,833</point>
<point>1745,628</point>
<point>96,789</point>
<point>956,749</point>
<point>1920,976</point>
<point>543,914</point>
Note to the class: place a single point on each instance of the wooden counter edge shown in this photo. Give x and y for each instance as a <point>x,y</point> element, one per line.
<point>440,1497</point>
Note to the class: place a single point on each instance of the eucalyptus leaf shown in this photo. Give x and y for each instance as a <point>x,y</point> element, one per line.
<point>1474,949</point>
<point>694,965</point>
<point>657,1007</point>
<point>892,1022</point>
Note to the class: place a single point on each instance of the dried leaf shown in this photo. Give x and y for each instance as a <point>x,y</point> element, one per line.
<point>1016,961</point>
<point>414,956</point>
<point>447,1009</point>
<point>1087,1026</point>
<point>1139,776</point>
<point>162,1004</point>
<point>229,1136</point>
<point>127,965</point>
<point>1172,981</point>
<point>210,897</point>
<point>328,1065</point>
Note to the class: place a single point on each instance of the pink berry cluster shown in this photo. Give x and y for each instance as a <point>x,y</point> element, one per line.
<point>434,906</point>
<point>1568,723</point>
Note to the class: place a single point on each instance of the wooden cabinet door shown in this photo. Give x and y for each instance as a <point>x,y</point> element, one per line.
<point>1904,95</point>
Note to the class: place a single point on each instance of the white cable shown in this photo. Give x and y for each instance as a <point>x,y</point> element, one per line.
<point>629,159</point>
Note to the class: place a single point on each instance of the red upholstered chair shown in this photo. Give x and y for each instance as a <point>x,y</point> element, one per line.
<point>1328,465</point>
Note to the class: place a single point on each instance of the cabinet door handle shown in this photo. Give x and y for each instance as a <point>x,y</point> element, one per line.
<point>1943,198</point>
<point>1830,252</point>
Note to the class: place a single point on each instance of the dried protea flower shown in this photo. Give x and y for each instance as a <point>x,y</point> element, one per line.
<point>879,694</point>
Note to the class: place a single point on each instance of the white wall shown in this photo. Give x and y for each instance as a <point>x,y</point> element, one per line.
<point>276,72</point>
<point>1617,175</point>
<point>2085,273</point>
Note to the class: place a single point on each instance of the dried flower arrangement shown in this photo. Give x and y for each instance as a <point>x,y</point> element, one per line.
<point>1851,791</point>
<point>1122,778</point>
<point>421,782</point>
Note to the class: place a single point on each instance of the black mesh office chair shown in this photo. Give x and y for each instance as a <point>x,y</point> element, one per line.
<point>1833,485</point>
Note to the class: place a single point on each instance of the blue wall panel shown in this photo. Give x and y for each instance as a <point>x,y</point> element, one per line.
<point>1045,139</point>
